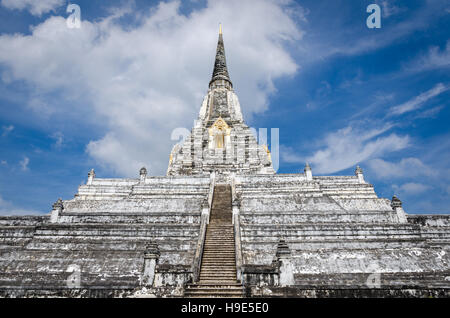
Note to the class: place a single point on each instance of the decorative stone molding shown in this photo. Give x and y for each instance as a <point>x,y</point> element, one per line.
<point>151,257</point>
<point>57,208</point>
<point>219,134</point>
<point>91,176</point>
<point>143,174</point>
<point>283,257</point>
<point>266,149</point>
<point>308,172</point>
<point>396,205</point>
<point>359,174</point>
<point>282,249</point>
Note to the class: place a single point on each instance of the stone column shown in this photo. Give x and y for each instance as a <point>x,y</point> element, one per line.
<point>91,176</point>
<point>283,256</point>
<point>359,174</point>
<point>308,172</point>
<point>396,205</point>
<point>143,174</point>
<point>151,257</point>
<point>57,208</point>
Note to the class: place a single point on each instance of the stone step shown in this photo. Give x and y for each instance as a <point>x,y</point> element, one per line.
<point>224,239</point>
<point>218,263</point>
<point>218,254</point>
<point>218,282</point>
<point>215,278</point>
<point>195,290</point>
<point>217,293</point>
<point>218,270</point>
<point>210,273</point>
<point>216,250</point>
<point>226,262</point>
<point>218,277</point>
<point>230,249</point>
<point>217,273</point>
<point>223,246</point>
<point>230,286</point>
<point>218,266</point>
<point>214,260</point>
<point>202,290</point>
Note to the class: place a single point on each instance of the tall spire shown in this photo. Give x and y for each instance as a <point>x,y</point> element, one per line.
<point>220,65</point>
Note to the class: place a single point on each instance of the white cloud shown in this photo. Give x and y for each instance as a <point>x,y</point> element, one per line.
<point>407,167</point>
<point>430,113</point>
<point>140,83</point>
<point>108,64</point>
<point>419,100</point>
<point>59,139</point>
<point>4,162</point>
<point>7,130</point>
<point>7,208</point>
<point>389,9</point>
<point>289,155</point>
<point>433,59</point>
<point>35,7</point>
<point>349,146</point>
<point>410,188</point>
<point>24,163</point>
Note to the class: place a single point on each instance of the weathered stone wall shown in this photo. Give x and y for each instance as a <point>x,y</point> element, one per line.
<point>104,232</point>
<point>339,233</point>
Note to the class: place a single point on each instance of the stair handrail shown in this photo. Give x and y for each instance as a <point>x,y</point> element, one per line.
<point>204,221</point>
<point>237,227</point>
<point>212,185</point>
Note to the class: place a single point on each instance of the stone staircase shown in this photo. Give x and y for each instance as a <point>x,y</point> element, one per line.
<point>218,268</point>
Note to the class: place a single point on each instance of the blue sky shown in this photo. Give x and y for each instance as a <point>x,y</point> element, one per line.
<point>107,96</point>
